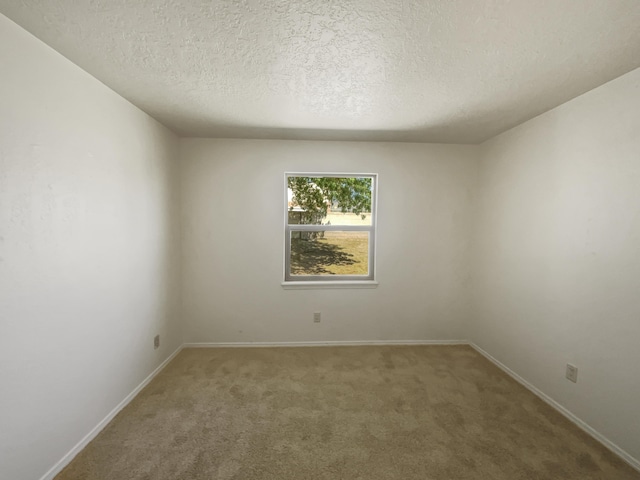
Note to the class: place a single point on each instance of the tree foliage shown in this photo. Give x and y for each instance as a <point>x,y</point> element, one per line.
<point>315,195</point>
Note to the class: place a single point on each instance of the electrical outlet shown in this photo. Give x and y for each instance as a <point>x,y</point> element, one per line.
<point>316,317</point>
<point>572,372</point>
<point>156,341</point>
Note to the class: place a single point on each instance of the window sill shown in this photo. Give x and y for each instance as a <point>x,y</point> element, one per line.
<point>329,285</point>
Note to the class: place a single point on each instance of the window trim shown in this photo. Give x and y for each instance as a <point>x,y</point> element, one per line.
<point>331,281</point>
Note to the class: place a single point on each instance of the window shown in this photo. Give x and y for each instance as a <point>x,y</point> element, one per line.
<point>330,225</point>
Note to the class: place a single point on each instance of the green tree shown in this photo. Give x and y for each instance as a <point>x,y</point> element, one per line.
<point>315,195</point>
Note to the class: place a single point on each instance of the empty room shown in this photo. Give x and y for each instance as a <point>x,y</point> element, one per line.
<point>308,239</point>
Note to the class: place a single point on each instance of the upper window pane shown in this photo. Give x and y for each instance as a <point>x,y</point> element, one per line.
<point>329,200</point>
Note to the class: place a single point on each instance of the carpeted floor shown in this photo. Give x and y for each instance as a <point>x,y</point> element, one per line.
<point>428,412</point>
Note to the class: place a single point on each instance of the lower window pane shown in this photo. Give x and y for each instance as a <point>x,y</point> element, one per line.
<point>329,253</point>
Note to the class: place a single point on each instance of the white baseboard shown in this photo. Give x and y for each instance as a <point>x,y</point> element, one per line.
<point>635,463</point>
<point>64,461</point>
<point>325,343</point>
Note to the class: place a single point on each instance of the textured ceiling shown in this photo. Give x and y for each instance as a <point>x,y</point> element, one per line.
<point>455,71</point>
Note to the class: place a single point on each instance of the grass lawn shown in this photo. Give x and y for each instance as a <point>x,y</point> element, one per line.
<point>337,253</point>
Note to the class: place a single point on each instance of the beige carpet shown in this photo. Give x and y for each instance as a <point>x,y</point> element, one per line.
<point>433,412</point>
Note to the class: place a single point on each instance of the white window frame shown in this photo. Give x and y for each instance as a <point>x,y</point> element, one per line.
<point>330,281</point>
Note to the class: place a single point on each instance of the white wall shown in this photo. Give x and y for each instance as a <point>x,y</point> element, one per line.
<point>558,258</point>
<point>232,224</point>
<point>87,277</point>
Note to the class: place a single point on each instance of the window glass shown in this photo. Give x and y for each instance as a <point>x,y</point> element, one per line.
<point>329,253</point>
<point>329,227</point>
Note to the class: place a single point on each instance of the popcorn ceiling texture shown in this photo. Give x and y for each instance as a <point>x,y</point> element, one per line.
<point>428,71</point>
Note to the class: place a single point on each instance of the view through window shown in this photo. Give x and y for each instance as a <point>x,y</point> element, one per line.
<point>330,227</point>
